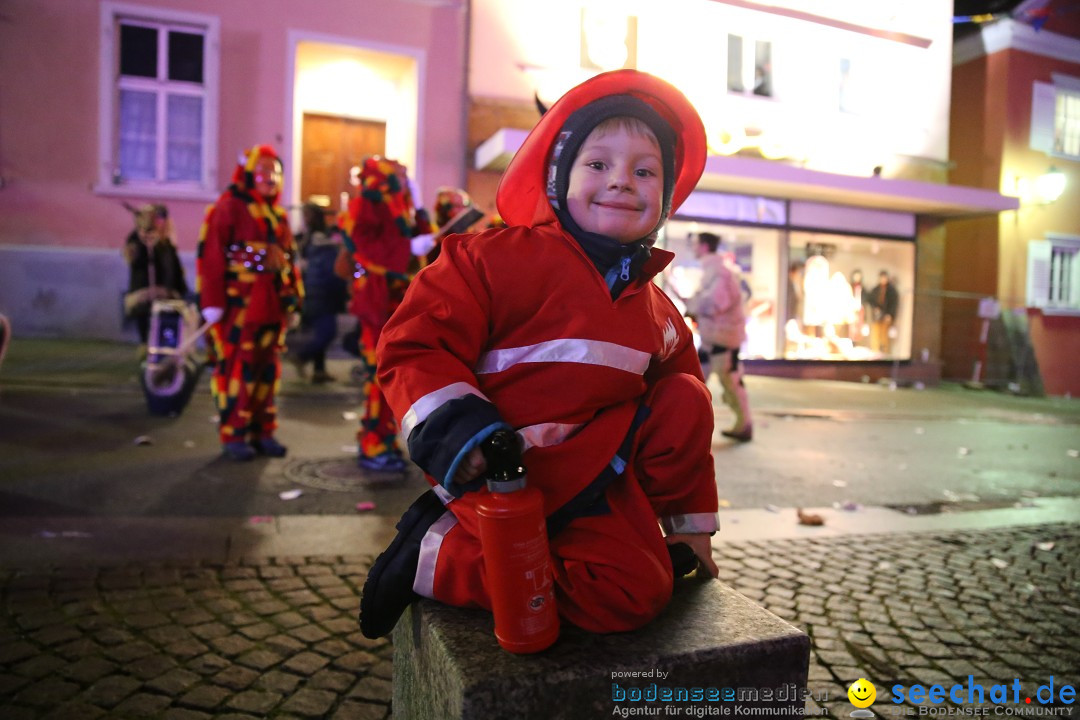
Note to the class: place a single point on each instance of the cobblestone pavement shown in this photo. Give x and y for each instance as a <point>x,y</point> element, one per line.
<point>278,638</point>
<point>927,609</point>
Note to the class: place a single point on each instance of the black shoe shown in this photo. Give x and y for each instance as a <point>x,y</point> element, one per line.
<point>269,447</point>
<point>683,559</point>
<point>388,590</point>
<point>238,451</point>
<point>744,435</point>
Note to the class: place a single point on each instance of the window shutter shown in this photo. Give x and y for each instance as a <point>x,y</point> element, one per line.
<point>1043,98</point>
<point>1038,273</point>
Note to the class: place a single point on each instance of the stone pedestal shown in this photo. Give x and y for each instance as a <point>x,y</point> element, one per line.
<point>711,653</point>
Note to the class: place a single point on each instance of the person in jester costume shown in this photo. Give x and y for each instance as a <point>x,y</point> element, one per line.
<point>249,289</point>
<point>383,222</point>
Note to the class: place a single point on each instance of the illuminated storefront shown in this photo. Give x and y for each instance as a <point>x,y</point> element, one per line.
<point>827,129</point>
<point>811,293</point>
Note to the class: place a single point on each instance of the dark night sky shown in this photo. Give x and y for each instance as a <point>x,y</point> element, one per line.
<point>977,7</point>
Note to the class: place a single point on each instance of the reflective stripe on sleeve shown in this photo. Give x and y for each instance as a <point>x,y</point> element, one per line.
<point>569,350</point>
<point>691,523</point>
<point>431,402</point>
<point>424,584</point>
<point>546,434</point>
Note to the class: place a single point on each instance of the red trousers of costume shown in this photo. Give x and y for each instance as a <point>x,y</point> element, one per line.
<point>245,379</point>
<point>378,428</point>
<point>373,302</point>
<point>612,570</point>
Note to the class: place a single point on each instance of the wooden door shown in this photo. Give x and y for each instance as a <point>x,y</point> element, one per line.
<point>330,146</point>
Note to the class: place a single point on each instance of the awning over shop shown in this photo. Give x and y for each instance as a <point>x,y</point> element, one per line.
<point>749,176</point>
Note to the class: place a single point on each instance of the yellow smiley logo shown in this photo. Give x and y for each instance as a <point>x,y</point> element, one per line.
<point>862,693</point>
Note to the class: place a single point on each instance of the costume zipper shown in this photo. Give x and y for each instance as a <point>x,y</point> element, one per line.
<point>624,274</point>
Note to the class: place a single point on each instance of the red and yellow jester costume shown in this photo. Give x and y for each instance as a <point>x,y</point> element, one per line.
<point>383,221</point>
<point>246,265</point>
<point>517,327</point>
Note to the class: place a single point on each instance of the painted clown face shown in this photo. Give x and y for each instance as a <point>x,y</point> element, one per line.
<point>616,184</point>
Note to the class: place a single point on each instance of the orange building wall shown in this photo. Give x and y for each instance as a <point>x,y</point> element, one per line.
<point>977,128</point>
<point>1056,339</point>
<point>990,147</point>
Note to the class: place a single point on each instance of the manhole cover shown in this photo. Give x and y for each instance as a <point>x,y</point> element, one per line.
<point>342,475</point>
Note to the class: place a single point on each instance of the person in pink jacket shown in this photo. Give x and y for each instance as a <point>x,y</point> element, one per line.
<point>553,327</point>
<point>718,308</point>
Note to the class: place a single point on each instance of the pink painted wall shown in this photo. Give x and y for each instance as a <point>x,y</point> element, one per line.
<point>49,55</point>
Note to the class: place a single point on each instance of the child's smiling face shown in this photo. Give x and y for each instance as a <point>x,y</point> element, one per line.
<point>616,183</point>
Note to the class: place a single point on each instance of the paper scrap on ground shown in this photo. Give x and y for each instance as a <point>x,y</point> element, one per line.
<point>350,415</point>
<point>144,440</point>
<point>364,506</point>
<point>290,494</point>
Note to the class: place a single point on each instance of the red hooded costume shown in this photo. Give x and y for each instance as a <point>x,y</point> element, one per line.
<point>517,327</point>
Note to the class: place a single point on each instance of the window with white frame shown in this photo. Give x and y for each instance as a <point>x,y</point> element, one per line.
<point>1055,117</point>
<point>1053,280</point>
<point>159,109</point>
<point>1067,123</point>
<point>749,66</point>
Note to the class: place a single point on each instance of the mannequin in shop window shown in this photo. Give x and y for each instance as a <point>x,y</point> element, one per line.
<point>882,301</point>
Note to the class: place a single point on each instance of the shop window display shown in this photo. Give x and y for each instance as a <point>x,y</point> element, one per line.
<point>810,296</point>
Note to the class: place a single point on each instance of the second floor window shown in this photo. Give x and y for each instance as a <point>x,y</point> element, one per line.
<point>1067,123</point>
<point>749,66</point>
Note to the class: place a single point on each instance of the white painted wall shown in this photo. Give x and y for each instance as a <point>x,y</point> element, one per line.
<point>899,90</point>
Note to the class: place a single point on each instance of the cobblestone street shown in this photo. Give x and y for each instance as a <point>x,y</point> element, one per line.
<point>923,608</point>
<point>278,638</point>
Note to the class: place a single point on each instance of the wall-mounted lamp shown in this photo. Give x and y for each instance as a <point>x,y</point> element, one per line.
<point>1042,190</point>
<point>1049,186</point>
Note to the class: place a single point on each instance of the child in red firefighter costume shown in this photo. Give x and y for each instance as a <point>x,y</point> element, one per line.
<point>554,328</point>
<point>248,286</point>
<point>383,221</point>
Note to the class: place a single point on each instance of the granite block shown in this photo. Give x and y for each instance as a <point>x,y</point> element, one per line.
<point>709,640</point>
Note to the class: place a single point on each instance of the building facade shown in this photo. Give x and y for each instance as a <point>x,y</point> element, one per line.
<point>110,104</point>
<point>1016,128</point>
<point>828,131</point>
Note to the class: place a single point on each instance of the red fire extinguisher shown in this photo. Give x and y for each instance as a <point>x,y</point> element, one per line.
<point>513,535</point>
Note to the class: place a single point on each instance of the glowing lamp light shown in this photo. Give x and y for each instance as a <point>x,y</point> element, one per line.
<point>726,141</point>
<point>1049,186</point>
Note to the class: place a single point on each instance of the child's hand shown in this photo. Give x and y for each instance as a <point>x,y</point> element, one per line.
<point>701,544</point>
<point>471,467</point>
